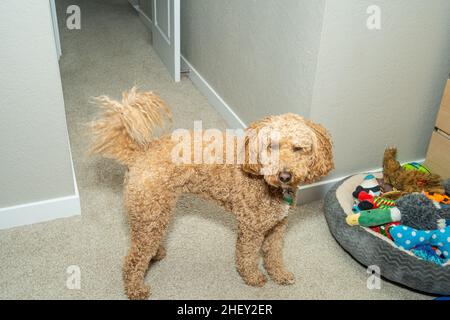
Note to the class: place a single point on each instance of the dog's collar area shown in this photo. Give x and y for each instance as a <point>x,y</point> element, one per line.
<point>288,196</point>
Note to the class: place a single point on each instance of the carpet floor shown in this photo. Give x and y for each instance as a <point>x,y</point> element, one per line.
<point>110,53</point>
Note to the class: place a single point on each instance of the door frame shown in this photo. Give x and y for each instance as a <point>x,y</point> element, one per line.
<point>54,18</point>
<point>174,33</point>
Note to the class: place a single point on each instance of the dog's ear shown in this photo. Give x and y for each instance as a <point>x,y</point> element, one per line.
<point>322,160</point>
<point>252,163</point>
<point>251,158</point>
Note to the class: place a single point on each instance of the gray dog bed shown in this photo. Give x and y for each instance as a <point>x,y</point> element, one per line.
<point>371,248</point>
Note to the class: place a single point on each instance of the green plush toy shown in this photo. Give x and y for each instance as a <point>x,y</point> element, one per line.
<point>375,217</point>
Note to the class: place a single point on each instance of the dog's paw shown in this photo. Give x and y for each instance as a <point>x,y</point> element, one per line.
<point>161,254</point>
<point>138,293</point>
<point>255,280</point>
<point>284,278</point>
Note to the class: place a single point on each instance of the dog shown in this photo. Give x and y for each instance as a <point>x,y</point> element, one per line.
<point>258,197</point>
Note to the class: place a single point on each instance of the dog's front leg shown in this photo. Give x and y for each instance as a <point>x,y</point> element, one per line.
<point>248,247</point>
<point>273,255</point>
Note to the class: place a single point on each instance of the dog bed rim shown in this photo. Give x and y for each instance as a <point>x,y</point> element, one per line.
<point>360,177</point>
<point>370,249</point>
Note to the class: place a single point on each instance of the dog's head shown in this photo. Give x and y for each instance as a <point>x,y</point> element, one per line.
<point>287,150</point>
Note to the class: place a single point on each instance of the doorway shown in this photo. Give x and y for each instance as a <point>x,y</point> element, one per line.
<point>162,18</point>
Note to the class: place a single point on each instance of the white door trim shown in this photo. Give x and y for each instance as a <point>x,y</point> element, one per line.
<point>55,28</point>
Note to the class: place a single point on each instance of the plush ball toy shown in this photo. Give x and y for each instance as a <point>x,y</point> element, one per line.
<point>420,213</point>
<point>416,166</point>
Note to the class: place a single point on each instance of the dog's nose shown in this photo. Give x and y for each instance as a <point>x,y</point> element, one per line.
<point>285,176</point>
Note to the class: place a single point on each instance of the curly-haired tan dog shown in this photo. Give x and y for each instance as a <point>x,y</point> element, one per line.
<point>153,183</point>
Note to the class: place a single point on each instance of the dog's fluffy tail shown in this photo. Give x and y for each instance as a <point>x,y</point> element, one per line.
<point>125,128</point>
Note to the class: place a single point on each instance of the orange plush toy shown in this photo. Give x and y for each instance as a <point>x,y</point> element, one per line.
<point>438,197</point>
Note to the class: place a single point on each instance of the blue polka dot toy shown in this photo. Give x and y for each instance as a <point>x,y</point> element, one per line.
<point>408,238</point>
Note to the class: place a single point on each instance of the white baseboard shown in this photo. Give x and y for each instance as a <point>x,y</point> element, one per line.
<point>41,211</point>
<point>134,4</point>
<point>308,193</point>
<point>35,212</point>
<point>144,18</point>
<point>213,97</point>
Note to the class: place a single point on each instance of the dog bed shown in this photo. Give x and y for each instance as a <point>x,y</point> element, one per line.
<point>371,248</point>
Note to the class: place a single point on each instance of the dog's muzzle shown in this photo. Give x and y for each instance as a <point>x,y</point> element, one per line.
<point>285,177</point>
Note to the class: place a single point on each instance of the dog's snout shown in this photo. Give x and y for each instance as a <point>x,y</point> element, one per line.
<point>285,176</point>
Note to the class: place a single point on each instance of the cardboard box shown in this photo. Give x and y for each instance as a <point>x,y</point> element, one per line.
<point>438,155</point>
<point>443,118</point>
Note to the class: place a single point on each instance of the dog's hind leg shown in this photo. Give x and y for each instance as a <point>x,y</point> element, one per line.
<point>248,249</point>
<point>273,255</point>
<point>160,254</point>
<point>146,235</point>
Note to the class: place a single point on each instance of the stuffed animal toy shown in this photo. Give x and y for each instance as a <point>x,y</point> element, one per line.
<point>369,185</point>
<point>428,253</point>
<point>407,238</point>
<point>376,217</point>
<point>384,229</point>
<point>368,202</point>
<point>441,199</point>
<point>408,180</point>
<point>419,212</point>
<point>385,187</point>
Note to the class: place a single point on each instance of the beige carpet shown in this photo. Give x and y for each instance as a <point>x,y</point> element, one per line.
<point>109,54</point>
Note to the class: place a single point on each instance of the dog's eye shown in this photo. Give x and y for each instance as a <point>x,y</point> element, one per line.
<point>297,149</point>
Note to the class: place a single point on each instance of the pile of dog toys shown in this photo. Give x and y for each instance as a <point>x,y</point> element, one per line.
<point>409,205</point>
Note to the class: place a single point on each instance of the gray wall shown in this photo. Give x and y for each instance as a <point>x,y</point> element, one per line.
<point>383,87</point>
<point>372,89</point>
<point>35,163</point>
<point>260,56</point>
